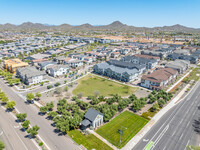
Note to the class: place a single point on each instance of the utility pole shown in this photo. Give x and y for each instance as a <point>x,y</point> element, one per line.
<point>121,133</point>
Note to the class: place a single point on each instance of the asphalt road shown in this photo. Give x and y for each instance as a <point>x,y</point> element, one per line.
<point>179,127</point>
<point>46,132</point>
<point>11,135</point>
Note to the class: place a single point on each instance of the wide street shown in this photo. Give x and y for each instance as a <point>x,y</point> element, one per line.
<point>46,132</point>
<point>177,128</point>
<point>11,134</point>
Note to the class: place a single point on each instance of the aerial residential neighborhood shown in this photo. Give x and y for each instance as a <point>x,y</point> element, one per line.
<point>131,84</point>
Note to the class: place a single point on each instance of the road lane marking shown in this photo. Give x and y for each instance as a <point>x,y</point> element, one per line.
<point>174,133</point>
<point>181,136</point>
<point>188,124</point>
<point>181,121</point>
<point>187,144</point>
<point>164,147</point>
<point>160,136</point>
<point>148,147</point>
<point>19,138</point>
<point>144,140</point>
<point>1,133</point>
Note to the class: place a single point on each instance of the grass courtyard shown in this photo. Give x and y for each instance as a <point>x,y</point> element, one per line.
<point>88,141</point>
<point>91,83</point>
<point>128,122</point>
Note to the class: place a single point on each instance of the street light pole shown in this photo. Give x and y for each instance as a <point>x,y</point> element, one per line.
<point>121,132</point>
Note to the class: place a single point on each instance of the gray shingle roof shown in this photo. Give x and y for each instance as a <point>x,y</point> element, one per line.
<point>117,69</point>
<point>125,64</point>
<point>30,72</point>
<point>85,122</point>
<point>91,114</point>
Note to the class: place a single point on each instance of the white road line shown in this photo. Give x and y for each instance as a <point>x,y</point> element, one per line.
<point>1,133</point>
<point>181,121</point>
<point>164,147</point>
<point>8,139</point>
<point>174,133</point>
<point>19,138</point>
<point>181,136</point>
<point>187,144</point>
<point>160,136</point>
<point>188,124</point>
<point>187,111</point>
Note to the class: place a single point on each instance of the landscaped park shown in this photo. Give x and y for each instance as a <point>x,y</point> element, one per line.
<point>127,122</point>
<point>92,85</point>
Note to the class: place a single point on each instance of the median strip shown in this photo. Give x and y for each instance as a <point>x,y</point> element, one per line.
<point>148,147</point>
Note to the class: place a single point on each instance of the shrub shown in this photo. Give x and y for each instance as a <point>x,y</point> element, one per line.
<point>80,95</point>
<point>41,143</point>
<point>42,83</point>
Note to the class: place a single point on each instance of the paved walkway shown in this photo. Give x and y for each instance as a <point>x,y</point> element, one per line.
<point>102,139</point>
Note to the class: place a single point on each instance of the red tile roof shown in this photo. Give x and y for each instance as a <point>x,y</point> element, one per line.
<point>162,74</point>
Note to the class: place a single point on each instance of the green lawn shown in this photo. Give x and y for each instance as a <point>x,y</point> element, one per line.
<point>91,83</point>
<point>88,141</point>
<point>129,122</point>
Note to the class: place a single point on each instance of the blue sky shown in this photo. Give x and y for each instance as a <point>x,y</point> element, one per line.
<point>147,13</point>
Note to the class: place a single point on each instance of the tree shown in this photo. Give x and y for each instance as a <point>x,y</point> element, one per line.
<point>154,92</point>
<point>62,102</point>
<point>2,145</point>
<point>58,91</point>
<point>49,106</point>
<point>21,117</point>
<point>57,84</point>
<point>53,55</point>
<point>30,96</point>
<point>96,93</point>
<point>95,101</point>
<point>25,124</point>
<point>38,95</point>
<point>49,87</point>
<point>4,99</point>
<point>66,88</point>
<point>41,83</point>
<point>152,100</point>
<point>10,105</point>
<point>153,108</point>
<point>161,103</point>
<point>80,95</point>
<point>33,131</point>
<point>52,114</point>
<point>43,109</point>
<point>138,104</point>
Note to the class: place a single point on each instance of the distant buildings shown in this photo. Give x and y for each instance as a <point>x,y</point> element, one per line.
<point>180,65</point>
<point>193,59</point>
<point>149,63</point>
